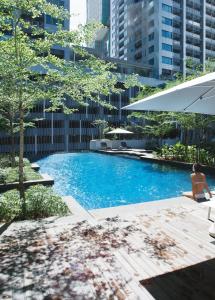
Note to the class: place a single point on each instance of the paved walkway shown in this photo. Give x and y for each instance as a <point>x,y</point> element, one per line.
<point>102,254</point>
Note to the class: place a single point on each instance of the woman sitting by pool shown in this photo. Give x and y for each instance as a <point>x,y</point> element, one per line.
<point>199,184</point>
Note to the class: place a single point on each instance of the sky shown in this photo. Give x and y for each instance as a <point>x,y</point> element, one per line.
<point>78,7</point>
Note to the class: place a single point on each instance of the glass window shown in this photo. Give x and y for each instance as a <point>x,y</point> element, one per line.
<point>166,47</point>
<point>166,7</point>
<point>151,23</point>
<point>167,21</point>
<point>57,2</point>
<point>151,36</point>
<point>167,34</point>
<point>166,60</point>
<point>58,52</point>
<point>151,49</point>
<point>151,61</point>
<point>53,21</point>
<point>151,11</point>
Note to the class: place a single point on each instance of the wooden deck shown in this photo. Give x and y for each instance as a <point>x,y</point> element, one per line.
<point>107,254</point>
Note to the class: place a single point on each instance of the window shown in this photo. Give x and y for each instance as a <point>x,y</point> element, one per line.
<point>166,7</point>
<point>151,36</point>
<point>151,49</point>
<point>166,60</point>
<point>138,44</point>
<point>151,61</point>
<point>50,20</point>
<point>53,21</point>
<point>121,52</point>
<point>57,52</point>
<point>57,2</point>
<point>151,11</point>
<point>166,47</point>
<point>138,55</point>
<point>167,34</point>
<point>44,139</point>
<point>151,23</point>
<point>58,139</point>
<point>166,74</point>
<point>121,36</point>
<point>167,21</point>
<point>121,27</point>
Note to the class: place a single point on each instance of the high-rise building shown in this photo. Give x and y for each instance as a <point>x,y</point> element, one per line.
<point>99,11</point>
<point>163,33</point>
<point>50,23</point>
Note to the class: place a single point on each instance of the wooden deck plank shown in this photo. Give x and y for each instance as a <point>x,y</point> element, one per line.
<point>133,261</point>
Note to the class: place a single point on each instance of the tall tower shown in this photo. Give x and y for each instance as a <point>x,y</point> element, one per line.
<point>164,34</point>
<point>99,11</point>
<point>51,24</point>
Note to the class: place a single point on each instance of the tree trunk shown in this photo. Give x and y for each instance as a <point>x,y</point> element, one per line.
<point>186,137</point>
<point>21,164</point>
<point>12,153</point>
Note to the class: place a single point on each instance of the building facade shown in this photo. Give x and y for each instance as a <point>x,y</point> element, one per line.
<point>99,11</point>
<point>57,132</point>
<point>164,34</point>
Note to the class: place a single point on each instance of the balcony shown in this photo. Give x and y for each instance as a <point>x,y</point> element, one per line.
<point>176,30</point>
<point>194,4</point>
<point>210,9</point>
<point>210,53</point>
<point>176,11</point>
<point>193,48</point>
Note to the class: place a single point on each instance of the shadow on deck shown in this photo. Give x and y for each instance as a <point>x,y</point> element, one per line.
<point>192,283</point>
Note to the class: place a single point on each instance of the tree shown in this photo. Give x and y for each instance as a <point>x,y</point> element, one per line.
<point>30,73</point>
<point>159,125</point>
<point>7,117</point>
<point>186,121</point>
<point>101,125</point>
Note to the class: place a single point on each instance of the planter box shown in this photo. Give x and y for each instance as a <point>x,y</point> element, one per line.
<point>45,180</point>
<point>35,167</point>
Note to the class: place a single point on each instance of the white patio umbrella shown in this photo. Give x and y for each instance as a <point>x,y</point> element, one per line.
<point>197,95</point>
<point>119,131</point>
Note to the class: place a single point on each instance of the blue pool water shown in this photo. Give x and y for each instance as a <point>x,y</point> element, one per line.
<point>99,181</point>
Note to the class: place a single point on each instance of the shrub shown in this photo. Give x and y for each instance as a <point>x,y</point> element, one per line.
<point>41,202</point>
<point>10,205</point>
<point>151,145</point>
<point>30,174</point>
<point>3,175</point>
<point>5,161</point>
<point>185,153</point>
<point>12,174</point>
<point>26,162</point>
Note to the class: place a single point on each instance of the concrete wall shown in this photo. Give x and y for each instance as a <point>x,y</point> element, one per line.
<point>135,144</point>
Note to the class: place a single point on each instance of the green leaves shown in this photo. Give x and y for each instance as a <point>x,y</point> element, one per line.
<point>169,124</point>
<point>186,153</point>
<point>10,205</point>
<point>41,202</point>
<point>30,71</point>
<point>101,125</point>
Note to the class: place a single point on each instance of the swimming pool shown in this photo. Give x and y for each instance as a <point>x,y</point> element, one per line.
<point>97,181</point>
